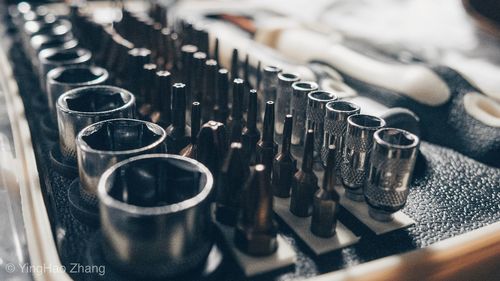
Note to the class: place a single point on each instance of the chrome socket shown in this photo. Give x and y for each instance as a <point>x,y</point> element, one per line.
<point>335,128</point>
<point>52,58</point>
<point>269,85</point>
<point>315,114</point>
<point>357,149</point>
<point>105,143</point>
<point>78,108</point>
<point>65,78</point>
<point>155,215</point>
<point>391,168</point>
<point>283,99</point>
<point>299,109</point>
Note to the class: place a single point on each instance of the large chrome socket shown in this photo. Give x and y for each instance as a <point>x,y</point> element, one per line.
<point>155,215</point>
<point>283,99</point>
<point>315,114</point>
<point>335,128</point>
<point>78,108</point>
<point>65,78</point>
<point>357,149</point>
<point>52,58</point>
<point>299,109</point>
<point>391,168</point>
<point>105,143</point>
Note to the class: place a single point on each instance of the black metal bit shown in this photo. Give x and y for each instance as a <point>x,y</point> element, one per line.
<point>235,62</point>
<point>233,175</point>
<point>235,122</point>
<point>147,90</point>
<point>187,52</point>
<point>326,201</point>
<point>251,134</point>
<point>178,133</point>
<point>215,55</point>
<point>305,182</point>
<point>256,231</point>
<point>285,165</point>
<point>210,84</point>
<point>212,146</point>
<point>267,147</point>
<point>162,101</point>
<point>192,149</point>
<point>246,78</point>
<point>197,76</point>
<point>138,57</point>
<point>221,110</point>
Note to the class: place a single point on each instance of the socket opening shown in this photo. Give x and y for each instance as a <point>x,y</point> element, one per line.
<point>342,106</point>
<point>322,96</point>
<point>396,138</point>
<point>121,135</point>
<point>95,100</point>
<point>170,182</point>
<point>76,75</point>
<point>366,121</point>
<point>305,86</point>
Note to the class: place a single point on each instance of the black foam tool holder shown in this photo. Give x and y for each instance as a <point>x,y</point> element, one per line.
<point>80,209</point>
<point>58,164</point>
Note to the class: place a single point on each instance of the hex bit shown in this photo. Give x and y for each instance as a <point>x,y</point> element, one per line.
<point>267,147</point>
<point>147,90</point>
<point>233,175</point>
<point>326,200</point>
<point>215,54</point>
<point>236,122</point>
<point>256,231</point>
<point>251,134</point>
<point>197,77</point>
<point>137,58</point>
<point>187,61</point>
<point>305,182</point>
<point>208,99</point>
<point>178,133</point>
<point>212,146</point>
<point>284,165</point>
<point>283,98</point>
<point>162,115</point>
<point>192,149</point>
<point>235,62</point>
<point>299,108</point>
<point>221,109</point>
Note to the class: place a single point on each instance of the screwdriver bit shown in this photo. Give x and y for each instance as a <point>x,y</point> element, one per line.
<point>187,61</point>
<point>192,149</point>
<point>284,165</point>
<point>197,76</point>
<point>163,112</point>
<point>212,146</point>
<point>215,55</point>
<point>235,122</point>
<point>147,90</point>
<point>305,182</point>
<point>234,173</point>
<point>256,231</point>
<point>267,147</point>
<point>208,99</point>
<point>221,110</point>
<point>178,133</point>
<point>284,98</point>
<point>251,134</point>
<point>137,58</point>
<point>235,61</point>
<point>326,200</point>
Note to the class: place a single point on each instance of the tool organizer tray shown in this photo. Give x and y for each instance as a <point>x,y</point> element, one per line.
<point>451,195</point>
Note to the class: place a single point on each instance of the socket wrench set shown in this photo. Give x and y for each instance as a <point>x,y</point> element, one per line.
<point>163,157</point>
